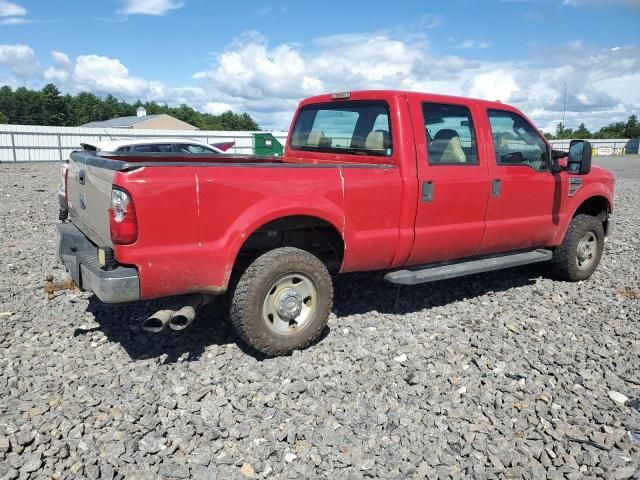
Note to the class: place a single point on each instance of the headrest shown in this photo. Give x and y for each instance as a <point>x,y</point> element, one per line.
<point>446,134</point>
<point>377,140</point>
<point>454,152</point>
<point>314,138</point>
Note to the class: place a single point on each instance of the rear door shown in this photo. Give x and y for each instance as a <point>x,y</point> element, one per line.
<point>453,182</point>
<point>524,205</point>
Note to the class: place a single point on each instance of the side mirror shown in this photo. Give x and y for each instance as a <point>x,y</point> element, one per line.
<point>579,157</point>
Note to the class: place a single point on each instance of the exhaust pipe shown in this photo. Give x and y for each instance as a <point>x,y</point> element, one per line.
<point>182,318</point>
<point>187,314</point>
<point>176,320</point>
<point>156,322</point>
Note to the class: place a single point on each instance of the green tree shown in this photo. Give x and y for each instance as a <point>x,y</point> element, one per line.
<point>582,132</point>
<point>4,118</point>
<point>48,107</point>
<point>53,105</point>
<point>632,128</point>
<point>562,132</point>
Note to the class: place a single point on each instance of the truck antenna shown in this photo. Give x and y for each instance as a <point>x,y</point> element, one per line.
<point>564,105</point>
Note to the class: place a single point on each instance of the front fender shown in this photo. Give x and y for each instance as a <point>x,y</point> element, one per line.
<point>587,191</point>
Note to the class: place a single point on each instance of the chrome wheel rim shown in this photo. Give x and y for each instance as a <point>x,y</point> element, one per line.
<point>587,250</point>
<point>290,303</point>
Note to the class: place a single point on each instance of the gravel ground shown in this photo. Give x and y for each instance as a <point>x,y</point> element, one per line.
<point>503,375</point>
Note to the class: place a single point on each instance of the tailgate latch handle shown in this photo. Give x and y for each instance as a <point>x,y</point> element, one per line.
<point>81,177</point>
<point>427,191</point>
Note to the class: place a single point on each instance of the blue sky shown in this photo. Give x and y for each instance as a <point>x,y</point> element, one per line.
<point>262,57</point>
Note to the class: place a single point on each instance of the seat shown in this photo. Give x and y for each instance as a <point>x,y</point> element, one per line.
<point>313,140</point>
<point>378,140</point>
<point>446,147</point>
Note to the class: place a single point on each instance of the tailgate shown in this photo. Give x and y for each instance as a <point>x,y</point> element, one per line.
<point>89,198</point>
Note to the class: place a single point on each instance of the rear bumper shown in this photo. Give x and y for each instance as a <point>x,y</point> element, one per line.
<point>80,257</point>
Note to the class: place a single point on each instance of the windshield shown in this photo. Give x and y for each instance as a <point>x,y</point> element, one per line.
<point>357,128</point>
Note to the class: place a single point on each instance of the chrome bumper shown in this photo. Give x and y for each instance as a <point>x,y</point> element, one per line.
<point>80,257</point>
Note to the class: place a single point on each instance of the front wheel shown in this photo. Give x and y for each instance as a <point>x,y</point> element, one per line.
<point>282,301</point>
<point>579,254</point>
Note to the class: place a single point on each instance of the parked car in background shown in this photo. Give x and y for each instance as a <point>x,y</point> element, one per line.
<point>157,145</point>
<point>149,145</point>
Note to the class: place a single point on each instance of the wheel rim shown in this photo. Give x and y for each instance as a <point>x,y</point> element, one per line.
<point>587,250</point>
<point>290,303</point>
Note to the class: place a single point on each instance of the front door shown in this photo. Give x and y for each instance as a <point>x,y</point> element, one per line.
<point>453,183</point>
<point>524,205</point>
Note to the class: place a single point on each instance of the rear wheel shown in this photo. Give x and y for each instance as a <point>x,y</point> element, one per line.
<point>579,254</point>
<point>282,301</point>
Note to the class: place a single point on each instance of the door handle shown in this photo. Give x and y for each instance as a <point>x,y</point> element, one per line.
<point>427,191</point>
<point>496,187</point>
<point>81,177</point>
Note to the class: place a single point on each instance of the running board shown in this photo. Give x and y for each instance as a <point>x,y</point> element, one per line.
<point>443,272</point>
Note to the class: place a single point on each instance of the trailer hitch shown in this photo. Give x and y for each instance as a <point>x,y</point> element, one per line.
<point>50,286</point>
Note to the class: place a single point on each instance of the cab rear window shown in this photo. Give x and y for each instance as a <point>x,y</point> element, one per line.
<point>356,127</point>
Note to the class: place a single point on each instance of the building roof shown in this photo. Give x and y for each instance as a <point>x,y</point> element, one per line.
<point>122,121</point>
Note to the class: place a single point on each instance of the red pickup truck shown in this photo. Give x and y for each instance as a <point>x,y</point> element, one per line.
<point>423,187</point>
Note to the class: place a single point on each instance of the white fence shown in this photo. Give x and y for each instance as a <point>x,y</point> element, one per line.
<point>613,146</point>
<point>29,143</point>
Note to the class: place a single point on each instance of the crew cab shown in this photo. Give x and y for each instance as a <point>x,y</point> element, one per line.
<point>419,186</point>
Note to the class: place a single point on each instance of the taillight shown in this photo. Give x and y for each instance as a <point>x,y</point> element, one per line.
<point>122,218</point>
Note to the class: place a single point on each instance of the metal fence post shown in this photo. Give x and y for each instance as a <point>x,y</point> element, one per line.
<point>13,148</point>
<point>60,148</point>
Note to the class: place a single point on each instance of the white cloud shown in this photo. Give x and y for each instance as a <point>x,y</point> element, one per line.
<point>10,9</point>
<point>60,58</point>
<point>14,21</point>
<point>216,108</point>
<point>604,3</point>
<point>429,21</point>
<point>269,81</point>
<point>255,72</point>
<point>497,84</point>
<point>19,59</point>
<point>100,74</point>
<point>150,7</point>
<point>473,44</point>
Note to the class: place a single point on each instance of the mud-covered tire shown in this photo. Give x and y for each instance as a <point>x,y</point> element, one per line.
<point>278,284</point>
<point>579,254</point>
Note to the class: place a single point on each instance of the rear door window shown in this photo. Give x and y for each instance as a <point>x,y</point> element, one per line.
<point>451,138</point>
<point>356,127</point>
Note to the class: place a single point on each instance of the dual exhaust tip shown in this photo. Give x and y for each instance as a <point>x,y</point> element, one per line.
<point>176,320</point>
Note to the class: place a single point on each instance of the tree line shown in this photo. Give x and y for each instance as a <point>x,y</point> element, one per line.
<point>628,129</point>
<point>48,106</point>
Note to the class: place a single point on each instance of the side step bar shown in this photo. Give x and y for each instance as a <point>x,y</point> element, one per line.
<point>453,270</point>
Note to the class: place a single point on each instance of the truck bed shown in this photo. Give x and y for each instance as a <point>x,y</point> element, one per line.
<point>200,209</point>
<point>129,161</point>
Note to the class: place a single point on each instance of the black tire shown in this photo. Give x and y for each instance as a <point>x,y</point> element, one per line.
<point>566,263</point>
<point>255,289</point>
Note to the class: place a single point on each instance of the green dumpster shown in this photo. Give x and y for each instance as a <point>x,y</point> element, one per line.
<point>266,144</point>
